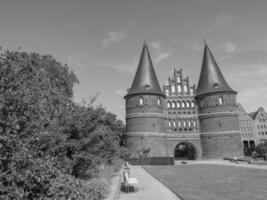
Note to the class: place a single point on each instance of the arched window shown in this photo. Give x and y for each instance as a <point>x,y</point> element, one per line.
<point>185,88</point>
<point>179,88</point>
<point>174,124</point>
<point>189,124</point>
<point>192,104</point>
<point>191,91</point>
<point>141,101</point>
<point>173,104</point>
<point>183,104</point>
<point>179,123</point>
<point>169,104</point>
<point>173,88</point>
<point>178,104</point>
<point>194,123</point>
<point>220,100</point>
<point>158,101</point>
<point>167,92</point>
<point>188,104</point>
<point>170,124</point>
<point>185,126</point>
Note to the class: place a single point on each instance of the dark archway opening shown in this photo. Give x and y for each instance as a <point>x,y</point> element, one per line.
<point>252,145</point>
<point>246,148</point>
<point>184,151</point>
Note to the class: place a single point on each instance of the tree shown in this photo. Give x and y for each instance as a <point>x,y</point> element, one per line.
<point>49,145</point>
<point>261,149</point>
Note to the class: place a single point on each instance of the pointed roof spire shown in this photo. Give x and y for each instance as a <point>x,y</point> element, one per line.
<point>204,40</point>
<point>145,80</point>
<point>211,78</point>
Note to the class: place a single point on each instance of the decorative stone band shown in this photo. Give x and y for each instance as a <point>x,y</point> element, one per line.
<point>217,114</point>
<point>146,115</point>
<point>174,116</point>
<point>183,137</point>
<point>145,134</point>
<point>221,133</point>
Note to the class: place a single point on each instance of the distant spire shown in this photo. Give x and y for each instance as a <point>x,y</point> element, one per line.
<point>204,39</point>
<point>145,80</point>
<point>211,78</point>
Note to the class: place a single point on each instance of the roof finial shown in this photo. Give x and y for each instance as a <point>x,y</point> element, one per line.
<point>204,39</point>
<point>145,42</point>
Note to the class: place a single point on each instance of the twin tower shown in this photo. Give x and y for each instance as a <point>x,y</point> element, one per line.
<point>147,119</point>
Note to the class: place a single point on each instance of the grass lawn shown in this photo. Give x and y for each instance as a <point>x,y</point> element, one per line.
<point>212,182</point>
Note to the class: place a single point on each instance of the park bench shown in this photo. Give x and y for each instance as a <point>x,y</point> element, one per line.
<point>128,182</point>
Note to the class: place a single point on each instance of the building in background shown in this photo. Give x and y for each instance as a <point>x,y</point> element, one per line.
<point>249,133</point>
<point>259,118</point>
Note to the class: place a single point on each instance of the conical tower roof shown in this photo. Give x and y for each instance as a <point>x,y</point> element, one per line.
<point>211,78</point>
<point>145,80</point>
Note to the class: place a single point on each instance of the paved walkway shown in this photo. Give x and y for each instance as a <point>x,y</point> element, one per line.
<point>148,188</point>
<point>224,162</point>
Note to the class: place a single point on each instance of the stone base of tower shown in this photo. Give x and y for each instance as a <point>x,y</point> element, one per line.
<point>150,143</point>
<point>221,144</point>
<point>164,145</point>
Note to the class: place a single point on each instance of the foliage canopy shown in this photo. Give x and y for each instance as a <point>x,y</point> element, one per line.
<point>51,147</point>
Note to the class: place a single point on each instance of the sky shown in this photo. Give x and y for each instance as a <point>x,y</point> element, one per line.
<point>101,41</point>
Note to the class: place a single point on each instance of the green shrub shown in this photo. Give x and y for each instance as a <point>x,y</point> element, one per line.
<point>67,187</point>
<point>261,149</point>
<point>51,147</point>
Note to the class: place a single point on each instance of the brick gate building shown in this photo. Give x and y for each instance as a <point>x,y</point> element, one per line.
<point>181,120</point>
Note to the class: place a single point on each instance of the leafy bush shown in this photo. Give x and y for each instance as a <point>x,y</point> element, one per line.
<point>51,147</point>
<point>261,149</point>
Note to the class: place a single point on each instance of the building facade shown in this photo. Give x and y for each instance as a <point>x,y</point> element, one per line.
<point>259,118</point>
<point>182,121</point>
<point>181,115</point>
<point>249,133</point>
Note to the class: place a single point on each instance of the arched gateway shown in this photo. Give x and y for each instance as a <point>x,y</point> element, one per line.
<point>185,151</point>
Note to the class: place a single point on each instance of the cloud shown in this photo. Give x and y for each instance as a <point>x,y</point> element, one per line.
<point>253,72</point>
<point>221,20</point>
<point>74,61</point>
<point>88,60</point>
<point>120,92</point>
<point>247,57</point>
<point>128,67</point>
<point>195,46</point>
<point>113,36</point>
<point>160,54</point>
<point>249,81</point>
<point>229,47</point>
<point>155,45</point>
